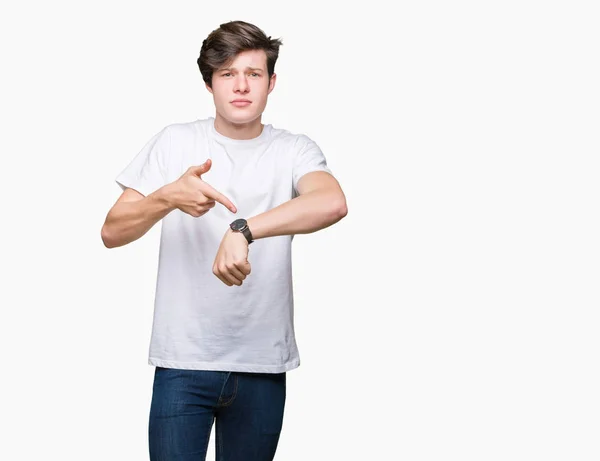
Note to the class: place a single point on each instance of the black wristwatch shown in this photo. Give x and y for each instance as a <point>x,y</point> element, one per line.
<point>241,225</point>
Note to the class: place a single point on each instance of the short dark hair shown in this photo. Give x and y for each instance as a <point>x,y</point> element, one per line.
<point>231,38</point>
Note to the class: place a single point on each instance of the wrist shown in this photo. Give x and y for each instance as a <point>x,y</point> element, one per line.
<point>235,234</point>
<point>240,226</point>
<point>166,195</point>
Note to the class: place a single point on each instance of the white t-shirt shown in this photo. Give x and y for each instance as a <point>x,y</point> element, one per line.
<point>199,322</point>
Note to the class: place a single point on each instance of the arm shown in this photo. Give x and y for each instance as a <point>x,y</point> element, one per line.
<point>320,204</point>
<point>133,215</point>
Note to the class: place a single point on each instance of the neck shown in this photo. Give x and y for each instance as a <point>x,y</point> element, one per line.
<point>239,131</point>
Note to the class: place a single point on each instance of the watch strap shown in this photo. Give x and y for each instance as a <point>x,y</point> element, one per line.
<point>241,225</point>
<point>248,234</point>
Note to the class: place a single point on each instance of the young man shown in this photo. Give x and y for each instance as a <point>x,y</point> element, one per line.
<point>231,194</point>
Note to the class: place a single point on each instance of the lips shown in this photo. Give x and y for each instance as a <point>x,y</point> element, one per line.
<point>241,102</point>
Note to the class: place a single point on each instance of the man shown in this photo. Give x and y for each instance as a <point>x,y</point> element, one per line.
<point>231,194</point>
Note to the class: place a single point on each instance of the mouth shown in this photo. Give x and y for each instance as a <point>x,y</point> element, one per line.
<point>241,102</point>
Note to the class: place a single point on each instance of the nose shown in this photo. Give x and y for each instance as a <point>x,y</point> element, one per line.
<point>241,84</point>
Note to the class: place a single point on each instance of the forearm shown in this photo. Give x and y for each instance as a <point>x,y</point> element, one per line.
<point>304,214</point>
<point>128,221</point>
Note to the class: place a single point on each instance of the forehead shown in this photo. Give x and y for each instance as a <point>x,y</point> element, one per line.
<point>256,59</point>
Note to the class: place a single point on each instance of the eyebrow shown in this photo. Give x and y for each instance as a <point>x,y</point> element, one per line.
<point>247,68</point>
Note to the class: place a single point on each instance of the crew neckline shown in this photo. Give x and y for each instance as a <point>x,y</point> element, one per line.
<point>239,142</point>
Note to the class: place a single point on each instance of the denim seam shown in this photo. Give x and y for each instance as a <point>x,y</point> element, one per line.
<point>220,442</point>
<point>227,375</point>
<point>235,388</point>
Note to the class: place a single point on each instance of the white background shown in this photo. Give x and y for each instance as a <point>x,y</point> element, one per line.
<point>453,314</point>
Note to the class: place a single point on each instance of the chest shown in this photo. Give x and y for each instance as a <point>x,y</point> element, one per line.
<point>254,179</point>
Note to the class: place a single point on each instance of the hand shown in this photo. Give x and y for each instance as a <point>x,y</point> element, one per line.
<point>231,264</point>
<point>194,196</point>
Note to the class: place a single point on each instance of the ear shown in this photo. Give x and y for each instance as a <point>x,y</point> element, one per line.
<point>208,87</point>
<point>272,82</point>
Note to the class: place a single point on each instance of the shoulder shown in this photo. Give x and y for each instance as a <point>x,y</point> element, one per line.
<point>186,128</point>
<point>293,140</point>
<point>183,133</point>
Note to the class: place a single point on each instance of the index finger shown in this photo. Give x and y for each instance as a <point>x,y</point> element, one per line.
<point>217,196</point>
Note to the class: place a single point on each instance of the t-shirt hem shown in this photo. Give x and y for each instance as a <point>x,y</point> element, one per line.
<point>125,182</point>
<point>219,366</point>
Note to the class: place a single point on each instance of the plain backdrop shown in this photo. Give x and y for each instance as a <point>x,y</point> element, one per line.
<point>453,314</point>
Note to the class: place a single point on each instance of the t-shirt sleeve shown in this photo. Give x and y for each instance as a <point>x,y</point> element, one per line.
<point>308,158</point>
<point>147,171</point>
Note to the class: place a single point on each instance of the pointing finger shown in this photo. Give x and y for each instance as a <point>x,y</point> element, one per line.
<point>210,192</point>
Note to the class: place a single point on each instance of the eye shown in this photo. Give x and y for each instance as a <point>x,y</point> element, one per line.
<point>226,74</point>
<point>255,74</point>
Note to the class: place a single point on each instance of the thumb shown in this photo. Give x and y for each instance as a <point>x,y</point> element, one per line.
<point>246,267</point>
<point>201,169</point>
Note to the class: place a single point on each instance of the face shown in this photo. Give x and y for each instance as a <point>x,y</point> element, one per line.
<point>245,79</point>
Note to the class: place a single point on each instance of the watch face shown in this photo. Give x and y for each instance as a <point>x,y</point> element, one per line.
<point>238,224</point>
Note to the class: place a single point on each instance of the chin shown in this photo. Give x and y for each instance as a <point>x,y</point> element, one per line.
<point>240,116</point>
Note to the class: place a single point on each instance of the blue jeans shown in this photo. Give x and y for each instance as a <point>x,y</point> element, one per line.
<point>247,408</point>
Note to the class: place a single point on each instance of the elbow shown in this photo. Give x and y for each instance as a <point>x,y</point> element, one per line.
<point>104,234</point>
<point>340,210</point>
<point>342,206</point>
<point>343,210</point>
